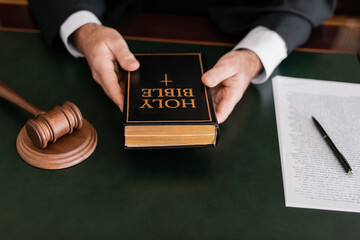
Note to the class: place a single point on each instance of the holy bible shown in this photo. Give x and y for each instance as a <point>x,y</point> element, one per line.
<point>166,104</point>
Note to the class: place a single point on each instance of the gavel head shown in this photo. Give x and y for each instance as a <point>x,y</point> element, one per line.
<point>50,126</point>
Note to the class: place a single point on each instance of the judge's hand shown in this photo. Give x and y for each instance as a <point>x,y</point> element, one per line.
<point>102,46</point>
<point>229,78</point>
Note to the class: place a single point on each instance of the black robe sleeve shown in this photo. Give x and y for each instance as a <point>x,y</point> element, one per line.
<point>293,20</point>
<point>50,14</point>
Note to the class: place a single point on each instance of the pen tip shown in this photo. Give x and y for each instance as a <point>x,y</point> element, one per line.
<point>350,172</point>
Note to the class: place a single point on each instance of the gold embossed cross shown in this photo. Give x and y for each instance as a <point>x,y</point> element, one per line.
<point>166,81</point>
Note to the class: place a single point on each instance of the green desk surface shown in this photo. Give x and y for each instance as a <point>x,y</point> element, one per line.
<point>233,191</point>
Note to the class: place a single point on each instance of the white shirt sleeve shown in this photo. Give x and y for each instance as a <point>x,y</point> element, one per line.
<point>270,48</point>
<point>72,23</point>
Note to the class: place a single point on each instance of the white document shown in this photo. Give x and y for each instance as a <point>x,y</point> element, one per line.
<point>312,175</point>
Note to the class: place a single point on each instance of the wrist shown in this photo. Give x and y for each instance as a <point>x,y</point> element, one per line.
<point>254,64</point>
<point>82,34</point>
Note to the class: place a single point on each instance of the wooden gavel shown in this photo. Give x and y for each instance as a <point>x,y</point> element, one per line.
<point>46,126</point>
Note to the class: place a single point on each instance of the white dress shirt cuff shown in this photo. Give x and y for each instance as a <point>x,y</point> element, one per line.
<point>270,48</point>
<point>72,23</point>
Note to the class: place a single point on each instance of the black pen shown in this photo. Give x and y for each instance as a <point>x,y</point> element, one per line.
<point>337,153</point>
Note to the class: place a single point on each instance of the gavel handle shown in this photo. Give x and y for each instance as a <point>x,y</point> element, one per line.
<point>11,96</point>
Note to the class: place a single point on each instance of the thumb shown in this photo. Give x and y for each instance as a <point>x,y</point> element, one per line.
<point>218,73</point>
<point>124,56</point>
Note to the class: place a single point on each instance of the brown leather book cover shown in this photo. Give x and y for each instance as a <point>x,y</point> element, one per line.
<point>166,104</point>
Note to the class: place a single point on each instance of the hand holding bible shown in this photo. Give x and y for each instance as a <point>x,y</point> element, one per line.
<point>229,78</point>
<point>102,46</point>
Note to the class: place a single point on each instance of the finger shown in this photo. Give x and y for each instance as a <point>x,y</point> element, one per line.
<point>221,71</point>
<point>225,107</point>
<point>227,98</point>
<point>109,82</point>
<point>125,58</point>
